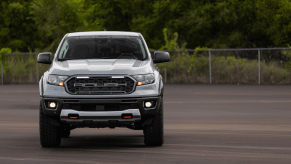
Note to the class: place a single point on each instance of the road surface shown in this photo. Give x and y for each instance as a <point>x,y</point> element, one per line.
<point>203,124</point>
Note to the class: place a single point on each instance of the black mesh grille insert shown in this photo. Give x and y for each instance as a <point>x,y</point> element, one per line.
<point>100,107</point>
<point>100,85</point>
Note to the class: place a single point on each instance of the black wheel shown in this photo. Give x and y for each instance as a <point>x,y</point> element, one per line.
<point>50,136</point>
<point>154,133</point>
<point>65,133</point>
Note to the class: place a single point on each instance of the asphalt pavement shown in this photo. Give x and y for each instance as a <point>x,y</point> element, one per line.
<point>203,124</point>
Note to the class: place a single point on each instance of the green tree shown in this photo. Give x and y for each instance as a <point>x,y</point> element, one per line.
<point>55,18</point>
<point>31,24</point>
<point>17,28</point>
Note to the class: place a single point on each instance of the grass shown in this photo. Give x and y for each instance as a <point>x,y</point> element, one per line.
<point>21,69</point>
<point>183,68</point>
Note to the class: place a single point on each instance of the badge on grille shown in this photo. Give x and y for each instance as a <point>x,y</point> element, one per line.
<point>99,107</point>
<point>96,85</point>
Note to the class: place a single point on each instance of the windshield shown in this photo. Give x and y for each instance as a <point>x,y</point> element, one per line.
<point>107,47</point>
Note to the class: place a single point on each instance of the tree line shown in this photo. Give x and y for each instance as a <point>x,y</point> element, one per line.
<point>39,25</point>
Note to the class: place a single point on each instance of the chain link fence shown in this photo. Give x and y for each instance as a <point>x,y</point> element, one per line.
<point>21,68</point>
<point>229,66</point>
<point>212,66</point>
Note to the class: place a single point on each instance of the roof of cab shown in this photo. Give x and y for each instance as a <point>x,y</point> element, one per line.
<point>103,33</point>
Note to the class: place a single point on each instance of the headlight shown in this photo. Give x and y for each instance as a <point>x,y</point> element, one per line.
<point>144,79</point>
<point>56,79</point>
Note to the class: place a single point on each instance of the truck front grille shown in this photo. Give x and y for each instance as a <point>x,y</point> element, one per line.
<point>100,85</point>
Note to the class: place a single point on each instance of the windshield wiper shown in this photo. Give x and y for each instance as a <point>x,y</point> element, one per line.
<point>64,59</point>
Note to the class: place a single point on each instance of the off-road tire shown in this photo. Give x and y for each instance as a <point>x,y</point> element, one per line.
<point>50,136</point>
<point>154,133</point>
<point>65,133</point>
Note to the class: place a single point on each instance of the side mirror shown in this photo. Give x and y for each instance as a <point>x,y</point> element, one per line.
<point>161,57</point>
<point>44,57</point>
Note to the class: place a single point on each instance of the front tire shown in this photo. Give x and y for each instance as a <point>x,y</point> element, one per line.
<point>154,133</point>
<point>50,136</point>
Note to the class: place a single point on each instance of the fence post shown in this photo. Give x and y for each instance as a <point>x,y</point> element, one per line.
<point>210,81</point>
<point>37,76</point>
<point>165,73</point>
<point>2,72</point>
<point>259,65</point>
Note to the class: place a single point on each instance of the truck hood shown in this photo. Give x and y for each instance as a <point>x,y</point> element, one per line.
<point>101,66</point>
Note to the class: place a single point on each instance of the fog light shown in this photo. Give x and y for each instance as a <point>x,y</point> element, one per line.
<point>148,104</point>
<point>52,105</point>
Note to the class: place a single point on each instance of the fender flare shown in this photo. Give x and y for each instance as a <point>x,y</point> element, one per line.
<point>41,86</point>
<point>161,86</point>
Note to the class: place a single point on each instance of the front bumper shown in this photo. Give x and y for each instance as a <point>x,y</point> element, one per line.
<point>106,118</point>
<point>100,118</point>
